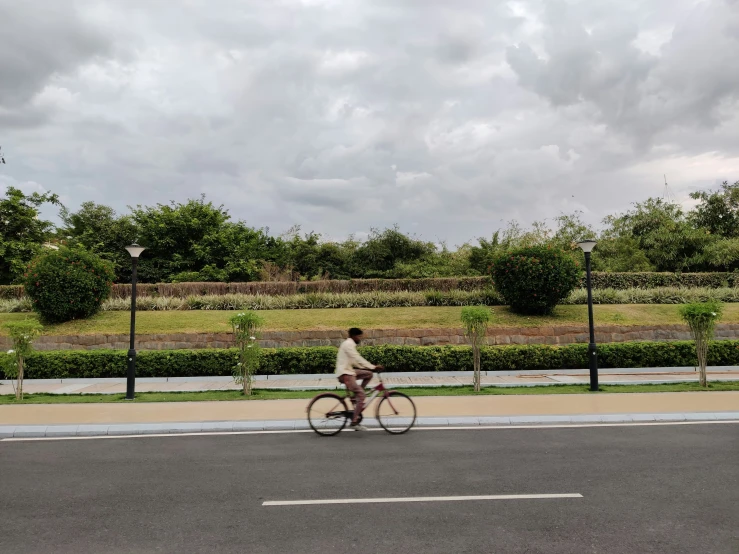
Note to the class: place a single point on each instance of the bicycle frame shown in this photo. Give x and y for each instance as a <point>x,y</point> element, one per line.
<point>376,390</point>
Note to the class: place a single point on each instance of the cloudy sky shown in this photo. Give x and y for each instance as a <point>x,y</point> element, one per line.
<point>447,118</point>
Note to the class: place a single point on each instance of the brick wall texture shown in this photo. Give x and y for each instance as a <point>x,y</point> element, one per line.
<point>276,339</point>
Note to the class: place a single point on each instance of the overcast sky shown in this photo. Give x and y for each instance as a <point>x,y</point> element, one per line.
<point>446,117</point>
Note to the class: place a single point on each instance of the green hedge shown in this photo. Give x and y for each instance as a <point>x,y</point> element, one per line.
<point>619,281</point>
<point>288,361</point>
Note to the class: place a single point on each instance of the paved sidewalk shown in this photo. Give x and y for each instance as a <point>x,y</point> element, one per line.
<point>397,380</point>
<point>427,406</point>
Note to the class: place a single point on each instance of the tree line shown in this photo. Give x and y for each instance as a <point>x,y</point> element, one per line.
<point>199,241</point>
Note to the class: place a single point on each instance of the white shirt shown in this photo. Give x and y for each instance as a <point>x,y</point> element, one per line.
<point>349,358</point>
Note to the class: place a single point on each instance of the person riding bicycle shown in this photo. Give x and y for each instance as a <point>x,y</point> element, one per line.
<point>350,366</point>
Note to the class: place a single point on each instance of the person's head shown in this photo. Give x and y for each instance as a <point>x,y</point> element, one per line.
<point>355,334</point>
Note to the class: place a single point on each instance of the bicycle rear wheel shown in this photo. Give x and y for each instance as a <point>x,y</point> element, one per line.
<point>327,414</point>
<point>396,413</point>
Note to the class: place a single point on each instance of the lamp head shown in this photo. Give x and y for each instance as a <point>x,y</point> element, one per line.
<point>135,250</point>
<point>587,245</point>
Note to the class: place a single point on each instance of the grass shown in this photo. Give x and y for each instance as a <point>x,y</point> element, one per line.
<point>207,321</point>
<point>262,394</point>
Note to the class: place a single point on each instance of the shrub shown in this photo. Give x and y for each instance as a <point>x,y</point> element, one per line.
<point>67,284</point>
<point>534,280</point>
<point>246,327</point>
<point>66,364</point>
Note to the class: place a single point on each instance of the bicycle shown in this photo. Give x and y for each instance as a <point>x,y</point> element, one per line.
<point>328,413</point>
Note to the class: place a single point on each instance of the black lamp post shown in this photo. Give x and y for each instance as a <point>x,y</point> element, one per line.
<point>135,250</point>
<point>587,247</point>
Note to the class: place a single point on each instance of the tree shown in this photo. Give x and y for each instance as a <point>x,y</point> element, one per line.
<point>22,335</point>
<point>177,237</point>
<point>718,211</point>
<point>22,232</point>
<point>100,230</point>
<point>476,320</point>
<point>702,318</point>
<point>384,249</point>
<point>665,235</point>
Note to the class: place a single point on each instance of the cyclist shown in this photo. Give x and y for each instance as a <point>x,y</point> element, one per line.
<point>350,366</point>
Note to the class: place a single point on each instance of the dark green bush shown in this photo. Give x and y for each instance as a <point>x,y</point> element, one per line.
<point>534,280</point>
<point>67,284</point>
<point>291,361</point>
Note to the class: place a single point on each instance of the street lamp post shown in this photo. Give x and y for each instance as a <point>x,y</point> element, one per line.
<point>587,247</point>
<point>135,250</point>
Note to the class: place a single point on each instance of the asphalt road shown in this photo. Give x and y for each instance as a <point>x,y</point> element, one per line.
<point>666,489</point>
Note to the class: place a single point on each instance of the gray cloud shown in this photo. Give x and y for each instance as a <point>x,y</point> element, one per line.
<point>340,116</point>
<point>40,40</point>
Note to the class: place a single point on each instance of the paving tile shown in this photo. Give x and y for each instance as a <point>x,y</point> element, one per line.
<point>540,419</point>
<point>279,425</point>
<point>218,426</point>
<point>139,428</point>
<point>61,430</point>
<point>432,421</point>
<point>195,427</point>
<point>669,417</point>
<point>30,431</point>
<point>727,415</point>
<point>700,416</point>
<point>92,430</point>
<point>586,418</point>
<point>472,421</point>
<point>494,420</point>
<point>617,418</point>
<point>6,431</point>
<point>643,417</point>
<point>248,425</point>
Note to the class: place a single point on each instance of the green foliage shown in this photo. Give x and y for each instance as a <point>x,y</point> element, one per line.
<point>663,232</point>
<point>12,364</point>
<point>67,364</point>
<point>534,280</point>
<point>475,320</point>
<point>67,284</point>
<point>100,230</point>
<point>22,233</point>
<point>702,315</point>
<point>383,250</point>
<point>246,326</point>
<point>718,211</point>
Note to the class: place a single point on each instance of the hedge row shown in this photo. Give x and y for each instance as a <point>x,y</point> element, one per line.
<point>618,281</point>
<point>290,361</point>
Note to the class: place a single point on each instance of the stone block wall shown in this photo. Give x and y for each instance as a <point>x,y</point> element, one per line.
<point>565,334</point>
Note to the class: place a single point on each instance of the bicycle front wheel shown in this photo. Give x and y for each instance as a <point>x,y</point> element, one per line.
<point>327,414</point>
<point>396,413</point>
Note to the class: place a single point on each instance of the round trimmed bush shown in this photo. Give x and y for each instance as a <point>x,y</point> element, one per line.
<point>67,284</point>
<point>534,280</point>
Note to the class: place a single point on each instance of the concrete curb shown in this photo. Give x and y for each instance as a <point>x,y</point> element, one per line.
<point>132,429</point>
<point>404,374</point>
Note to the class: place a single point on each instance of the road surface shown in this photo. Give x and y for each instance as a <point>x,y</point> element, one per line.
<point>629,489</point>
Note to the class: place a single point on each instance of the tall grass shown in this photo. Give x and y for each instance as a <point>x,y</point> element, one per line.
<point>488,297</point>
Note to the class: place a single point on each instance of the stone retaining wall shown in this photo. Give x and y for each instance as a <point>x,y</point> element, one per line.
<point>566,334</point>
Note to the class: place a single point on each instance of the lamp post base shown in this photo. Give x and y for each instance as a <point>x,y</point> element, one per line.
<point>131,376</point>
<point>593,360</point>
